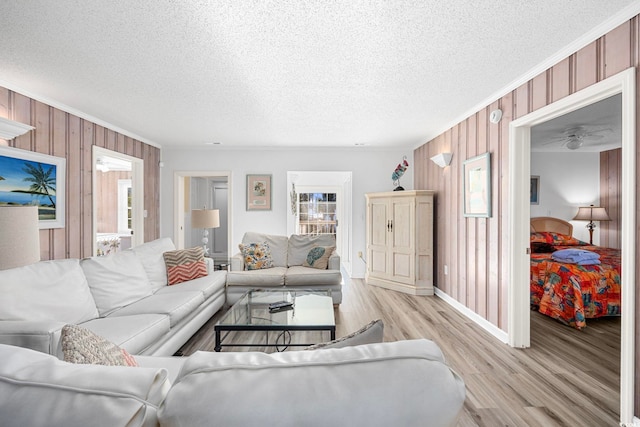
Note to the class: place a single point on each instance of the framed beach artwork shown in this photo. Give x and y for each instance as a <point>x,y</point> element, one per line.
<point>258,192</point>
<point>30,178</point>
<point>476,180</point>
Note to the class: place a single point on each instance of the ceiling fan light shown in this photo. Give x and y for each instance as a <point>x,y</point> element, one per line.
<point>574,144</point>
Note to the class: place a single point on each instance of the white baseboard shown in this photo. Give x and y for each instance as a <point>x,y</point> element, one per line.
<point>475,317</point>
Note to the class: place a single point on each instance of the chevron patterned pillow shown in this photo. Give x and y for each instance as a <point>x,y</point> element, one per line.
<point>185,264</point>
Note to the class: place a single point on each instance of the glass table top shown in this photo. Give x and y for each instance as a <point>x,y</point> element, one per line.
<point>309,308</point>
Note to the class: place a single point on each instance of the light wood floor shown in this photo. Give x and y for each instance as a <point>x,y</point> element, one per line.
<point>566,378</point>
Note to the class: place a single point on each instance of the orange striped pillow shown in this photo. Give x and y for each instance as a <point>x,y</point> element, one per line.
<point>185,264</point>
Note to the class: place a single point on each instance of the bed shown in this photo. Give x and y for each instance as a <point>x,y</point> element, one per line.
<point>571,293</point>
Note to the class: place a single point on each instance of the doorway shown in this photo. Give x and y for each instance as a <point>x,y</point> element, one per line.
<point>519,212</point>
<point>334,193</point>
<point>118,201</point>
<point>195,190</point>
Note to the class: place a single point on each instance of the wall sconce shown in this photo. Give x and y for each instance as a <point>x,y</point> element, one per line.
<point>442,159</point>
<point>10,129</point>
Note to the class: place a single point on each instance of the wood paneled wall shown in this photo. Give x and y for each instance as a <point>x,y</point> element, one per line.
<point>475,249</point>
<point>61,134</point>
<point>610,197</point>
<point>107,189</point>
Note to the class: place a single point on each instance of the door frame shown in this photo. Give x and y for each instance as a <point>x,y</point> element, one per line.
<point>519,213</point>
<point>137,189</point>
<point>179,203</point>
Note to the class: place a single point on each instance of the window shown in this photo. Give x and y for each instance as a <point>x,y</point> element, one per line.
<point>317,213</point>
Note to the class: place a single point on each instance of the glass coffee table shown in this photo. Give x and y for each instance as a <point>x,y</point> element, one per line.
<point>310,310</point>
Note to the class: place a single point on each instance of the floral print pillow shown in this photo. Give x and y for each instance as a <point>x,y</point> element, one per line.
<point>257,256</point>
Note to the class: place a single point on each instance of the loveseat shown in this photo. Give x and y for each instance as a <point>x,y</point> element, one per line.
<point>286,271</point>
<point>123,297</point>
<point>404,383</point>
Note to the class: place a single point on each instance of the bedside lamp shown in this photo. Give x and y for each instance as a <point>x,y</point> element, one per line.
<point>19,236</point>
<point>205,219</point>
<point>591,213</point>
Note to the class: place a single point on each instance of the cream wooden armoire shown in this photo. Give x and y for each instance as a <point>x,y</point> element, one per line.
<point>400,241</point>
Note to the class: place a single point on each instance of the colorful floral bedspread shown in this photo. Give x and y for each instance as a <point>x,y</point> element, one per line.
<point>572,293</point>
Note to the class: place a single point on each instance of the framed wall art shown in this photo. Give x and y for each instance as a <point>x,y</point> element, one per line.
<point>534,191</point>
<point>258,192</point>
<point>30,178</point>
<point>476,180</point>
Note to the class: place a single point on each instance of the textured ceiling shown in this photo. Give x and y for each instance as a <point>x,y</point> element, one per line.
<point>284,73</point>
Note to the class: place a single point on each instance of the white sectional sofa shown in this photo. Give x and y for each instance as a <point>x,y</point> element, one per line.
<point>404,383</point>
<point>122,297</point>
<point>288,272</point>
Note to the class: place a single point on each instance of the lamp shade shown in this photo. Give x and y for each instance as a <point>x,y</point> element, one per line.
<point>592,213</point>
<point>19,236</point>
<point>205,218</point>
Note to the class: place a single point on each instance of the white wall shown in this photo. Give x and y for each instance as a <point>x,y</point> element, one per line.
<point>371,169</point>
<point>567,181</point>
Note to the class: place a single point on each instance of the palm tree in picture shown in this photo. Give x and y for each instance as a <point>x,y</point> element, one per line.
<point>42,182</point>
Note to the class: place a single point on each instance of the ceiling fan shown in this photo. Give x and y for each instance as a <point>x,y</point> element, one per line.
<point>574,137</point>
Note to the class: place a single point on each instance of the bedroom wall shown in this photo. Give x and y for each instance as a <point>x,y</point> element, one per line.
<point>567,181</point>
<point>62,134</point>
<point>476,249</point>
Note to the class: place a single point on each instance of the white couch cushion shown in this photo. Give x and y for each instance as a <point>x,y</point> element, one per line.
<point>307,276</point>
<point>47,290</point>
<point>257,278</point>
<point>150,255</point>
<point>133,333</point>
<point>176,305</point>
<point>208,285</point>
<point>300,245</point>
<point>37,389</point>
<point>116,280</point>
<point>404,383</point>
<point>277,244</point>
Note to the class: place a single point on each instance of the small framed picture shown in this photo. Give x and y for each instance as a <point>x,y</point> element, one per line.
<point>534,191</point>
<point>258,192</point>
<point>476,180</point>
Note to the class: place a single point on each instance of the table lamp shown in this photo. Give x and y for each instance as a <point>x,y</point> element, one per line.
<point>19,236</point>
<point>591,213</point>
<point>205,219</point>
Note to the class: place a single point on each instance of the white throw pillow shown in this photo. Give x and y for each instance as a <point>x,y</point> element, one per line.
<point>45,291</point>
<point>300,245</point>
<point>150,255</point>
<point>116,280</point>
<point>369,334</point>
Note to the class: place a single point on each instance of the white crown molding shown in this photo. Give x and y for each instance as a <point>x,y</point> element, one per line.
<point>9,129</point>
<point>75,112</point>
